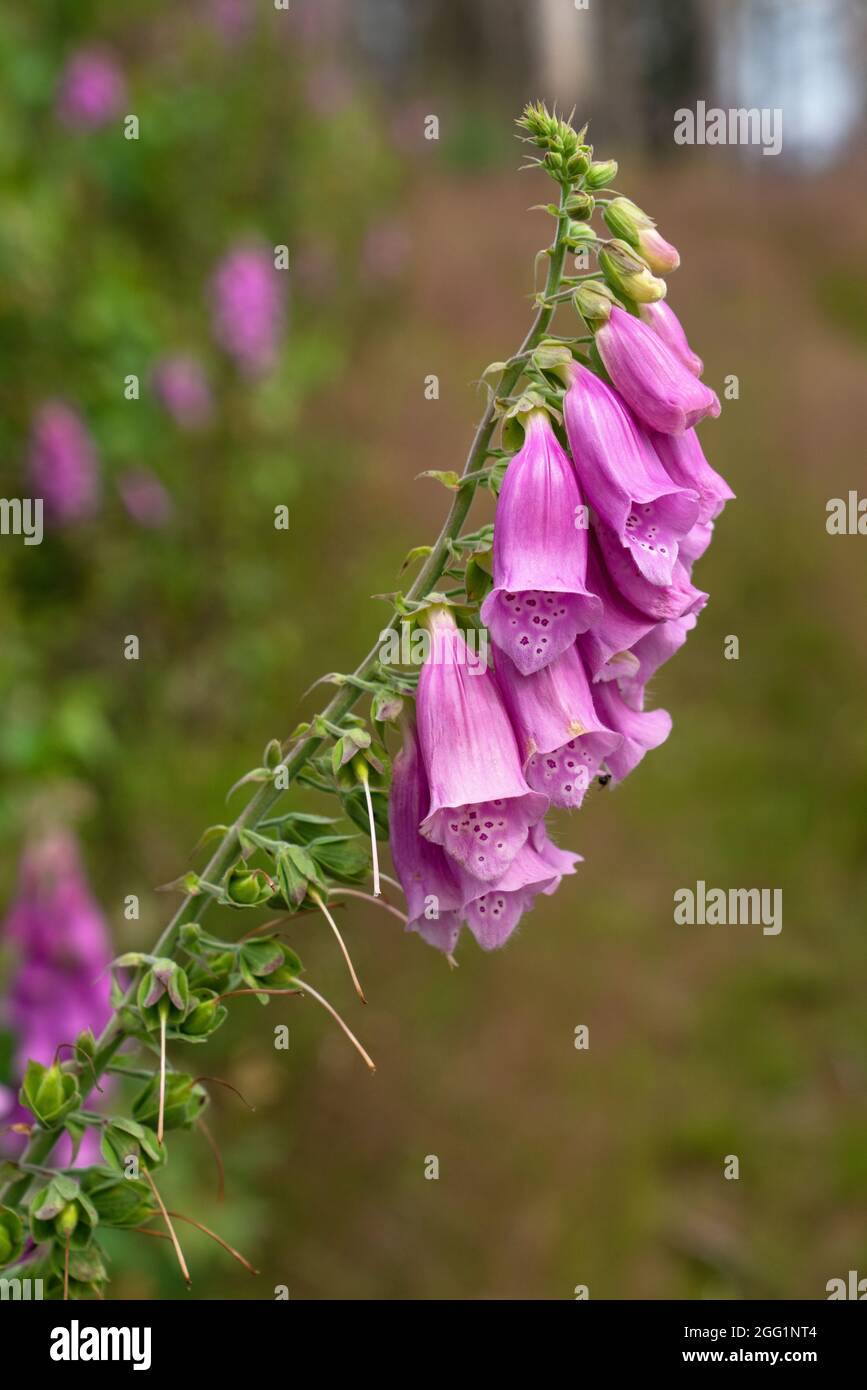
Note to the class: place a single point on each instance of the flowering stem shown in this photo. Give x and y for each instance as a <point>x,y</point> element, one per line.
<point>299,751</point>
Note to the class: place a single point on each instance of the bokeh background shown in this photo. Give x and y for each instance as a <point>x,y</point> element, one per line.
<point>407,257</point>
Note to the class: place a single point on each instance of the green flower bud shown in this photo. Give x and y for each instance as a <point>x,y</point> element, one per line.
<point>625,220</point>
<point>580,234</point>
<point>66,1222</point>
<point>204,1018</point>
<point>629,275</point>
<point>49,1093</point>
<point>601,172</point>
<point>580,206</point>
<point>593,300</point>
<point>122,1202</point>
<point>577,165</point>
<point>243,887</point>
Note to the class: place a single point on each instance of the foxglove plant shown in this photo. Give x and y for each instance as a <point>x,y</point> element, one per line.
<point>597,529</point>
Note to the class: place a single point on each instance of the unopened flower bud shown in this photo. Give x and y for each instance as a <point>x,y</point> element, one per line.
<point>625,220</point>
<point>577,164</point>
<point>67,1220</point>
<point>601,171</point>
<point>200,1020</point>
<point>580,206</point>
<point>629,275</point>
<point>246,888</point>
<point>593,300</point>
<point>629,222</point>
<point>580,234</point>
<point>660,255</point>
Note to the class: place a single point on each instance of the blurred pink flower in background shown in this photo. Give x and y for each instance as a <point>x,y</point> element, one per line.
<point>61,948</point>
<point>91,89</point>
<point>145,498</point>
<point>384,251</point>
<point>248,307</point>
<point>62,465</point>
<point>182,389</point>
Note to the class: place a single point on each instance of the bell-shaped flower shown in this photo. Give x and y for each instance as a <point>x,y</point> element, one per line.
<point>428,877</point>
<point>607,650</point>
<point>682,457</point>
<point>539,602</point>
<point>641,729</point>
<point>667,326</point>
<point>494,913</point>
<point>656,601</point>
<point>652,380</point>
<point>481,807</point>
<point>559,733</point>
<point>623,478</point>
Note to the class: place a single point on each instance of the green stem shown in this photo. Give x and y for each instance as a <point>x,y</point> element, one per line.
<point>257,808</point>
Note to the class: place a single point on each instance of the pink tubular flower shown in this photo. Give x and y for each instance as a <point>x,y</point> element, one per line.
<point>623,478</point>
<point>248,310</point>
<point>145,498</point>
<point>495,911</point>
<point>481,807</point>
<point>440,895</point>
<point>667,326</point>
<point>559,734</point>
<point>540,601</point>
<point>427,875</point>
<point>607,650</point>
<point>682,457</point>
<point>641,729</point>
<point>655,601</point>
<point>91,89</point>
<point>661,391</point>
<point>62,464</point>
<point>182,389</point>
